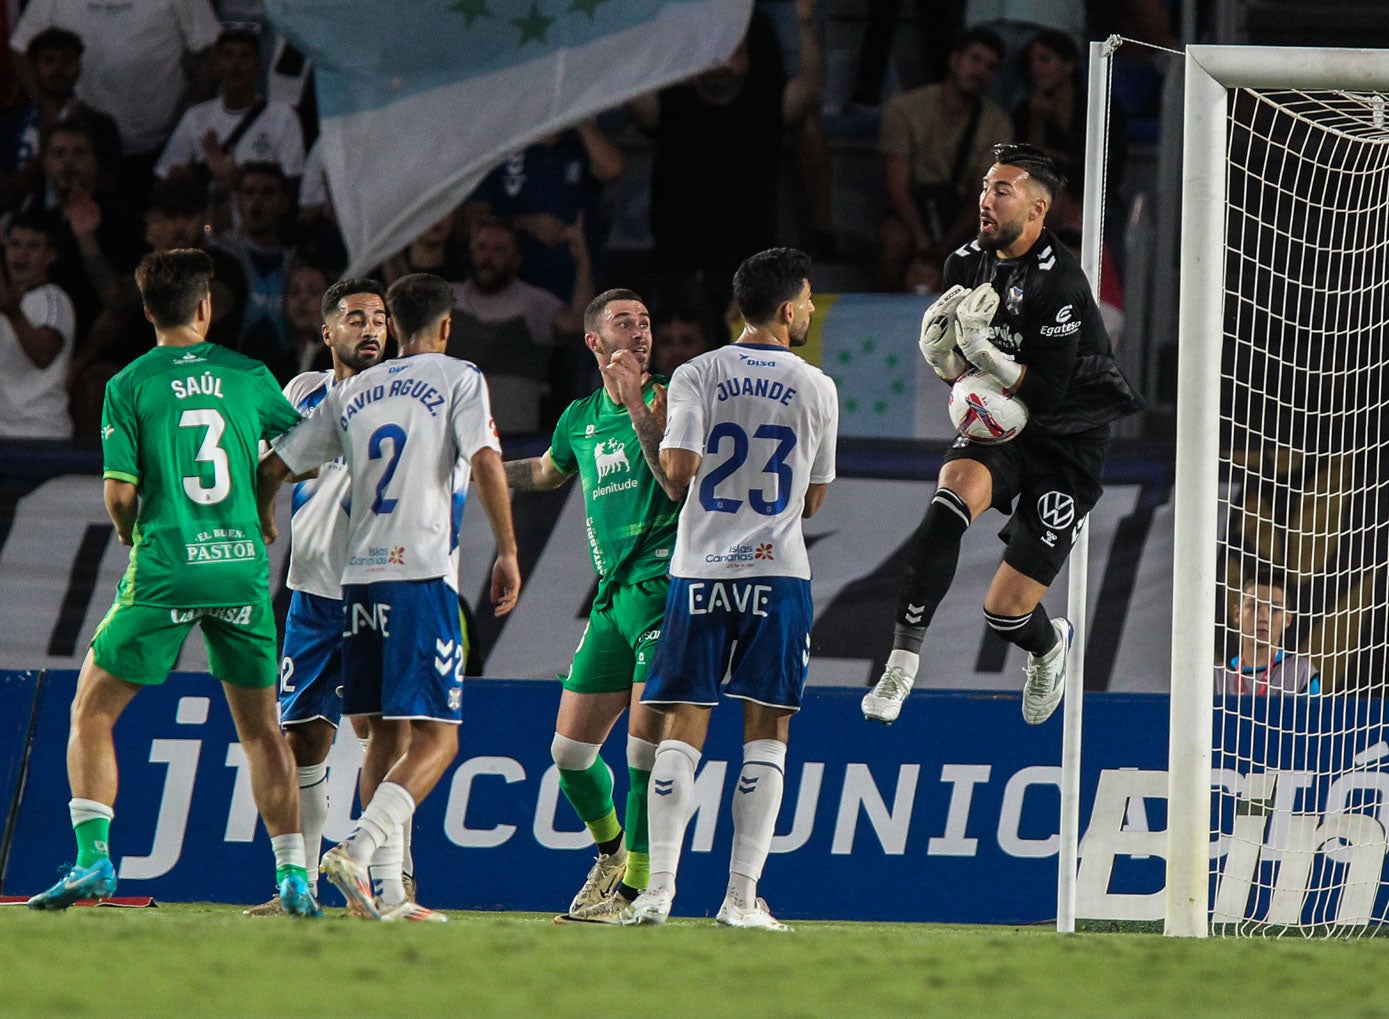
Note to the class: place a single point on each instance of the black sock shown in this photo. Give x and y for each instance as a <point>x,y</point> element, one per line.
<point>611,846</point>
<point>1032,632</point>
<point>627,891</point>
<point>931,561</point>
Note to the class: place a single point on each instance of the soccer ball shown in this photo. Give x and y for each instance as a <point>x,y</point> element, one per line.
<point>982,411</point>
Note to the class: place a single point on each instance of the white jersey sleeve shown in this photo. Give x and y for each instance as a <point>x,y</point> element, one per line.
<point>764,422</point>
<point>404,425</point>
<point>318,520</point>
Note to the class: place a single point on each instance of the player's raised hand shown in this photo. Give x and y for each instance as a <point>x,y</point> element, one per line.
<point>506,584</point>
<point>626,371</point>
<point>972,319</point>
<point>658,405</point>
<point>938,338</point>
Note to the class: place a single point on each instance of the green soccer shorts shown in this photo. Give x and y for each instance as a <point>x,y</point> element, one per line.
<point>140,643</point>
<point>615,650</point>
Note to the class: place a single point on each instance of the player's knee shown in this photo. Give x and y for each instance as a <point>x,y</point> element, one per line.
<point>572,755</point>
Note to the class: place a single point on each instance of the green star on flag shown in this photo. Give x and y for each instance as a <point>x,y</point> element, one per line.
<point>533,26</point>
<point>471,10</point>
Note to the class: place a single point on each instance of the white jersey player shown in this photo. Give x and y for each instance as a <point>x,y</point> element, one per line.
<point>751,430</point>
<point>407,428</point>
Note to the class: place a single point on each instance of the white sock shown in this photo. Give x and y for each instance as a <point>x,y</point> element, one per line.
<point>756,803</point>
<point>88,810</point>
<point>391,808</point>
<point>385,868</point>
<point>407,862</point>
<point>313,813</point>
<point>907,661</point>
<point>669,805</point>
<point>289,850</point>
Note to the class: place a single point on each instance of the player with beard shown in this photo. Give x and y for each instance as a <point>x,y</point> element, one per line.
<point>1018,306</point>
<point>611,440</point>
<point>750,432</point>
<point>354,331</point>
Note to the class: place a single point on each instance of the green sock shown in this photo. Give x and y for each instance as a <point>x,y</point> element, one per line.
<point>93,837</point>
<point>638,846</point>
<point>285,871</point>
<point>591,793</point>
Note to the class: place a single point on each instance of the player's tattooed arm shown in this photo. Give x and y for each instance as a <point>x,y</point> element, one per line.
<point>648,421</point>
<point>534,474</point>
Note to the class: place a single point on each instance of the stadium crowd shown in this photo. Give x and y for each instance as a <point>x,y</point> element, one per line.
<point>126,129</point>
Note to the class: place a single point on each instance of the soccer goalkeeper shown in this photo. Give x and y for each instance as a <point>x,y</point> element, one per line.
<point>1017,306</point>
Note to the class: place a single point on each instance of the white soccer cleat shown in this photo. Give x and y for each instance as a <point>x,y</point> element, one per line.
<point>602,880</point>
<point>1046,676</point>
<point>651,907</point>
<point>409,911</point>
<point>607,911</point>
<point>352,879</point>
<point>759,917</point>
<point>884,702</point>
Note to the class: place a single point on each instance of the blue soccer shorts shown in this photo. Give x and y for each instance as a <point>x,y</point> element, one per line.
<point>311,667</point>
<point>402,652</point>
<point>754,630</point>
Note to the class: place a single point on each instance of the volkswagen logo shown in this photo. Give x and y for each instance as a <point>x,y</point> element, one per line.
<point>1057,510</point>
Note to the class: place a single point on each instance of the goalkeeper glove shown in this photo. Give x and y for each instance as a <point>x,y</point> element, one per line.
<point>938,335</point>
<point>972,318</point>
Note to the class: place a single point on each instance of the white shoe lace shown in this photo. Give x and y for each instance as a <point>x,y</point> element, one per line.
<point>894,685</point>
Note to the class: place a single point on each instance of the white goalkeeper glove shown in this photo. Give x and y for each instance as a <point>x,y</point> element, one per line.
<point>972,318</point>
<point>938,335</point>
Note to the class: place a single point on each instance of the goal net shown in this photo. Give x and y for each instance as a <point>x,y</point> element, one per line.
<point>1278,825</point>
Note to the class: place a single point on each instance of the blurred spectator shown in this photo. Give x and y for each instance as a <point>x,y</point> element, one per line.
<point>239,126</point>
<point>542,190</point>
<point>133,67</point>
<point>717,160</point>
<point>36,335</point>
<point>257,245</point>
<point>315,201</point>
<point>177,218</point>
<point>432,251</point>
<point>304,289</point>
<point>1052,117</point>
<point>97,238</point>
<point>936,142</point>
<point>679,336</point>
<point>936,23</point>
<point>1015,22</point>
<point>1262,666</point>
<point>55,56</point>
<point>510,328</point>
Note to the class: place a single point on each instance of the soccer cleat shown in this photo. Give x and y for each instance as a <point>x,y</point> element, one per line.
<point>296,898</point>
<point>607,910</point>
<point>759,917</point>
<point>602,879</point>
<point>95,882</point>
<point>271,908</point>
<point>353,879</point>
<point>651,907</point>
<point>409,911</point>
<point>1046,676</point>
<point>884,702</point>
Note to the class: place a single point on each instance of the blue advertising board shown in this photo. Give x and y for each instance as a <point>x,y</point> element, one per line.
<point>948,815</point>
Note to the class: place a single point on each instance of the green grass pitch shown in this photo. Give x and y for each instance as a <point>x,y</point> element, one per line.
<point>208,960</point>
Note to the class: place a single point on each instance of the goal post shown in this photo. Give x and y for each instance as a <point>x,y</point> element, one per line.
<point>1285,226</point>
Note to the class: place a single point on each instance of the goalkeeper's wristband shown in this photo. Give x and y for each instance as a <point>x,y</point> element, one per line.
<point>949,366</point>
<point>989,359</point>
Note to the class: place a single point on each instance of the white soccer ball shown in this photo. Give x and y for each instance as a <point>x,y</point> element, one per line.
<point>982,411</point>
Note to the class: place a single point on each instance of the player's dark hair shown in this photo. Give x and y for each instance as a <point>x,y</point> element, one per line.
<point>418,301</point>
<point>1039,166</point>
<point>767,280</point>
<point>346,287</point>
<point>594,312</point>
<point>983,37</point>
<point>51,39</point>
<point>172,283</point>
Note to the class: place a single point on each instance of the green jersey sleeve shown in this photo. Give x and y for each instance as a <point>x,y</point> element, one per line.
<point>561,449</point>
<point>278,415</point>
<point>120,433</point>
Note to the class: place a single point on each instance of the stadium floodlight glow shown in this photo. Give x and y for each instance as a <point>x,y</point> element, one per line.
<point>1282,464</point>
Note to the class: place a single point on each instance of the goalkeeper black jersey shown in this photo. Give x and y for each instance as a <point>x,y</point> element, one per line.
<point>1048,320</point>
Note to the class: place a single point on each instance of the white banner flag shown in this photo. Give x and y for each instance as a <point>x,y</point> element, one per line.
<point>418,99</point>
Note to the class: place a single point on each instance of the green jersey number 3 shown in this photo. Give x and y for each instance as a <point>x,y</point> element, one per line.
<point>208,452</point>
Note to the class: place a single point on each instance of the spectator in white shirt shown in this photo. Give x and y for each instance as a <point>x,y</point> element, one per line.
<point>36,335</point>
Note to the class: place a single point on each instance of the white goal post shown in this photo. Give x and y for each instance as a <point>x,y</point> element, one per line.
<point>1286,313</point>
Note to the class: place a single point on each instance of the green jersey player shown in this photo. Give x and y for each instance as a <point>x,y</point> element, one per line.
<point>180,435</point>
<point>611,440</point>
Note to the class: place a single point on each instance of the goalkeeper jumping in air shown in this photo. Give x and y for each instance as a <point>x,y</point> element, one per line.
<point>1018,307</point>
